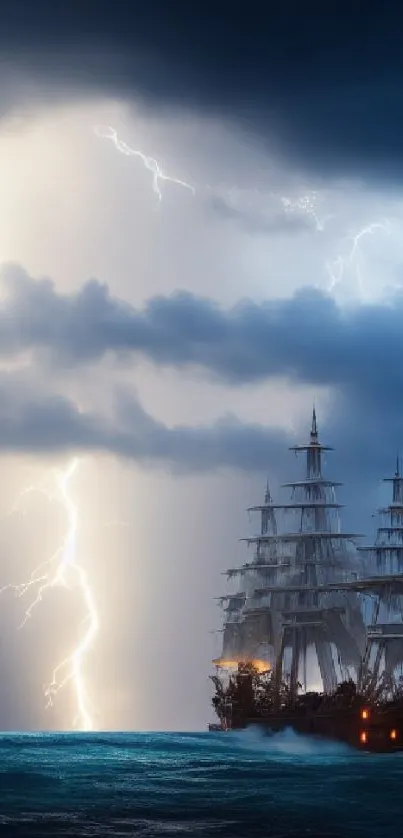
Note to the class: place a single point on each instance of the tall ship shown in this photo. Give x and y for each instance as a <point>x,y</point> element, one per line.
<point>312,634</point>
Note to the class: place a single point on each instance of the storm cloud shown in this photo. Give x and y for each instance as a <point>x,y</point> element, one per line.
<point>320,86</point>
<point>308,337</point>
<point>34,420</point>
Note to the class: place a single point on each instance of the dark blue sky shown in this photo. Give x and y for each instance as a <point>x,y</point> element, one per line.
<point>323,82</point>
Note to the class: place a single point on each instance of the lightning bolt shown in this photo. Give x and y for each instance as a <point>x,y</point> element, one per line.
<point>108,133</point>
<point>63,569</point>
<point>306,204</point>
<point>351,261</point>
<point>338,267</point>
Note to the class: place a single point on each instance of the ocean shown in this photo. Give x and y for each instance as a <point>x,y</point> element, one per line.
<point>235,785</point>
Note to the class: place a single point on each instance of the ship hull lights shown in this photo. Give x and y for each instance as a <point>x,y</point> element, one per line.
<point>379,735</point>
<point>382,733</point>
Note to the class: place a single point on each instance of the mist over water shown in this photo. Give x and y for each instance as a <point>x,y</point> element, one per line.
<point>288,745</point>
<point>236,785</point>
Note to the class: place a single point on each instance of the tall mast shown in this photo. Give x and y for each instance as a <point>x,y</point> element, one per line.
<point>314,484</point>
<point>268,523</point>
<point>308,555</point>
<point>243,632</point>
<point>317,556</point>
<point>320,557</point>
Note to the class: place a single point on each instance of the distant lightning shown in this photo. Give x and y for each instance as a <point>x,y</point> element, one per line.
<point>62,569</point>
<point>339,266</point>
<point>351,261</point>
<point>306,204</point>
<point>108,133</point>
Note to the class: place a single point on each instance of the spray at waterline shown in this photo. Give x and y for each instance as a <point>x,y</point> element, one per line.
<point>63,570</point>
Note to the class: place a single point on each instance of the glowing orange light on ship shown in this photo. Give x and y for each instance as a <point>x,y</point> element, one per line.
<point>393,734</point>
<point>365,714</point>
<point>260,665</point>
<point>363,737</point>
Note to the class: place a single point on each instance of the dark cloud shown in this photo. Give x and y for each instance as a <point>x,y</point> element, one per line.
<point>308,337</point>
<point>322,84</point>
<point>32,420</point>
<point>36,422</point>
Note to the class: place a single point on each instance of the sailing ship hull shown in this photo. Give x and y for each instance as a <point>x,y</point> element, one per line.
<point>381,733</point>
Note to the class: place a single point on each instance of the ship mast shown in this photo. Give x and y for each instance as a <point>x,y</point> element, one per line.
<point>243,630</point>
<point>320,557</point>
<point>285,603</point>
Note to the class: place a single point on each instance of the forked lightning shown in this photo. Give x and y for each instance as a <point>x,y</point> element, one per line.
<point>337,269</point>
<point>63,569</point>
<point>109,133</point>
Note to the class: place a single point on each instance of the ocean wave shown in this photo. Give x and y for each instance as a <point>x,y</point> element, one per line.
<point>237,785</point>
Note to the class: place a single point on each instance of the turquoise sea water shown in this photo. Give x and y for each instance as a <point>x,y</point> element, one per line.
<point>207,784</point>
